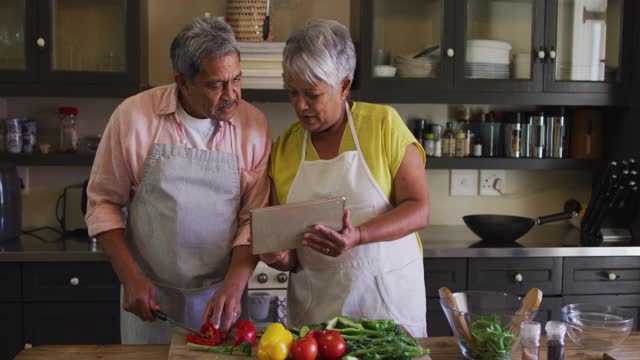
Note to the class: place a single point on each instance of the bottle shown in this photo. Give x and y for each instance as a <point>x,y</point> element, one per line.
<point>437,132</point>
<point>430,144</point>
<point>419,129</point>
<point>448,141</point>
<point>68,129</point>
<point>555,339</point>
<point>530,340</point>
<point>460,143</point>
<point>477,146</point>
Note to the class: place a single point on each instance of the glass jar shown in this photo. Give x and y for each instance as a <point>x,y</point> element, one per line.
<point>430,144</point>
<point>68,129</point>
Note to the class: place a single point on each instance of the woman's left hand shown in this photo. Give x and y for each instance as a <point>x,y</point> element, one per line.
<point>330,242</point>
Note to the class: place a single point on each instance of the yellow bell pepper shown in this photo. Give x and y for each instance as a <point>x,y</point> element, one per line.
<point>275,343</point>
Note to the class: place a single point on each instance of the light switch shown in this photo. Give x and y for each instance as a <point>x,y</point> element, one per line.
<point>464,182</point>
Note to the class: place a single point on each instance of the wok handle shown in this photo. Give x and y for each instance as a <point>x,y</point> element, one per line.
<point>555,217</point>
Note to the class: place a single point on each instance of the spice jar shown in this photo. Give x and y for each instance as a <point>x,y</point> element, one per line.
<point>68,129</point>
<point>555,339</point>
<point>530,340</point>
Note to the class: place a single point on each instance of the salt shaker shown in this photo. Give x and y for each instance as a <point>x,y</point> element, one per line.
<point>530,340</point>
<point>555,339</point>
<point>68,129</point>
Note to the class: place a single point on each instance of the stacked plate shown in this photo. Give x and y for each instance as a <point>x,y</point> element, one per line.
<point>488,59</point>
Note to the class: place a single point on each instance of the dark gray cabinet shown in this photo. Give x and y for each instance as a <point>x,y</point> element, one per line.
<point>557,58</point>
<point>449,272</point>
<point>57,303</point>
<point>69,48</point>
<point>516,275</point>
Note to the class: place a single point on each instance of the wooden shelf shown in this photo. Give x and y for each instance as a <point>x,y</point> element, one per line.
<point>51,159</point>
<point>512,164</point>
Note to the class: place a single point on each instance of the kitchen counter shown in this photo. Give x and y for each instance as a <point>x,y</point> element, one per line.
<point>444,241</point>
<point>442,348</point>
<point>51,248</point>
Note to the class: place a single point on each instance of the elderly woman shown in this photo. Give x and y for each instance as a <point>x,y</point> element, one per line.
<point>373,267</point>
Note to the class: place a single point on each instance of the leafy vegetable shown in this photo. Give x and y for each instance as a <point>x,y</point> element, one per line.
<point>493,341</point>
<point>376,339</point>
<point>244,348</point>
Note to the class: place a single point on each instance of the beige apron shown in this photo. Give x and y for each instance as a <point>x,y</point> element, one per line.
<point>181,226</point>
<point>383,280</point>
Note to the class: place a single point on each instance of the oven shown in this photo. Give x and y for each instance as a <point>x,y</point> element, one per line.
<point>267,296</point>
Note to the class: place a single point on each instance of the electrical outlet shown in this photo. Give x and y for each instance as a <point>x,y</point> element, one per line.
<point>464,182</point>
<point>492,182</point>
<point>23,174</point>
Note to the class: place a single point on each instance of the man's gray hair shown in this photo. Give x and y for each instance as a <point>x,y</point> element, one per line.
<point>321,51</point>
<point>203,37</point>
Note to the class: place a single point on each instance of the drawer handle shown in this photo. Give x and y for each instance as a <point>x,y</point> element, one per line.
<point>74,281</point>
<point>28,346</point>
<point>518,278</point>
<point>612,276</point>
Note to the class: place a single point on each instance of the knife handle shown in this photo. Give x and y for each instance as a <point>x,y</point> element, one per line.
<point>159,314</point>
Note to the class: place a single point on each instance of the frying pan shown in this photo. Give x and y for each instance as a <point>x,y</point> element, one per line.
<point>506,228</point>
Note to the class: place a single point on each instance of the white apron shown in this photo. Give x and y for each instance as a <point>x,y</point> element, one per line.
<point>180,230</point>
<point>383,280</point>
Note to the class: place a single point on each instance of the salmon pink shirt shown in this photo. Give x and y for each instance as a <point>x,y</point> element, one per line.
<point>127,140</point>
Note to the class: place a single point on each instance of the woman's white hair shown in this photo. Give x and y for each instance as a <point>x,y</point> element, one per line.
<point>322,51</point>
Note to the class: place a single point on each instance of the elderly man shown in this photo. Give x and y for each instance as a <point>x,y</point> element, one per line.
<point>188,161</point>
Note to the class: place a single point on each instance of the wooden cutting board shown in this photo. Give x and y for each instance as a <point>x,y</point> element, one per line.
<point>180,351</point>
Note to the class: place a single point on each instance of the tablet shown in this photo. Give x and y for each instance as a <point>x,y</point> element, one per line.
<point>281,227</point>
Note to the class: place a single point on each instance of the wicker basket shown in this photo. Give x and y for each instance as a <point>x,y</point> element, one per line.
<point>246,18</point>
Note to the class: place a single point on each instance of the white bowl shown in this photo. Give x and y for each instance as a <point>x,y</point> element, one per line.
<point>384,71</point>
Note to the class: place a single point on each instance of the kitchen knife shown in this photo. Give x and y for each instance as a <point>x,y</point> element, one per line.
<point>598,191</point>
<point>162,316</point>
<point>265,25</point>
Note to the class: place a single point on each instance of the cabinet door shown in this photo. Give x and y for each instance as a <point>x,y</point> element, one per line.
<point>589,45</point>
<point>606,275</point>
<point>11,330</point>
<point>91,41</point>
<point>393,33</point>
<point>497,42</point>
<point>549,309</point>
<point>516,275</point>
<point>17,41</point>
<point>437,324</point>
<point>72,323</point>
<point>628,302</point>
<point>449,272</point>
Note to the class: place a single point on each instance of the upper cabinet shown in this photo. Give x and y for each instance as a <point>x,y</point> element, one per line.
<point>69,47</point>
<point>496,51</point>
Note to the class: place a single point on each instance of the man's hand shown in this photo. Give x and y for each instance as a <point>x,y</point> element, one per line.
<point>224,308</point>
<point>332,243</point>
<point>140,297</point>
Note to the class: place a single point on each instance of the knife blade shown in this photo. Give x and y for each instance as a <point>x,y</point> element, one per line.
<point>162,316</point>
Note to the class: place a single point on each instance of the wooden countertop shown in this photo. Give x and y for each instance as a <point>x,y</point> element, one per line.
<point>442,348</point>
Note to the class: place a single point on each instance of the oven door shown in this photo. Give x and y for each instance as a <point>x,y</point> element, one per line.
<point>266,306</point>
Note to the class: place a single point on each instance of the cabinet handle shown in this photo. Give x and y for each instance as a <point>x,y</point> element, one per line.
<point>28,346</point>
<point>282,278</point>
<point>518,278</point>
<point>552,54</point>
<point>263,278</point>
<point>612,276</point>
<point>41,43</point>
<point>542,55</point>
<point>74,281</point>
<point>450,52</point>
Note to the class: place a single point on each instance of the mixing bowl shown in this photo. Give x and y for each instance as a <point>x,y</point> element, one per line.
<point>492,323</point>
<point>595,326</point>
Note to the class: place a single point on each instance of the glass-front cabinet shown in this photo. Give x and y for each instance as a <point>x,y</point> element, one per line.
<point>585,42</point>
<point>72,47</point>
<point>497,45</point>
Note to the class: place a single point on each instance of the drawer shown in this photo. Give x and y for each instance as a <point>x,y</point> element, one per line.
<point>79,281</point>
<point>516,275</point>
<point>10,281</point>
<point>601,275</point>
<point>449,272</point>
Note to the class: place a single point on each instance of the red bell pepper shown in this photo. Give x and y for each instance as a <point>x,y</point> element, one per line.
<point>207,329</point>
<point>245,332</point>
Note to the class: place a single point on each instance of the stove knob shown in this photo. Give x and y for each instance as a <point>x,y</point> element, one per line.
<point>263,278</point>
<point>282,278</point>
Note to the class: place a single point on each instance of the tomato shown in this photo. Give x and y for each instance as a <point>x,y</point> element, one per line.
<point>305,348</point>
<point>332,346</point>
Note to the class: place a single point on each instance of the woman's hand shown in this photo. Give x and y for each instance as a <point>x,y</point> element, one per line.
<point>224,308</point>
<point>330,242</point>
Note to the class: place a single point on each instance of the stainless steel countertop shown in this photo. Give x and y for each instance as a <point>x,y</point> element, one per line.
<point>52,249</point>
<point>440,241</point>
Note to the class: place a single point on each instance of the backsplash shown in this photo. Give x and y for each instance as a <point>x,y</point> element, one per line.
<point>528,193</point>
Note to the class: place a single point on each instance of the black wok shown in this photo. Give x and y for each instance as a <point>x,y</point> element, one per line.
<point>506,228</point>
